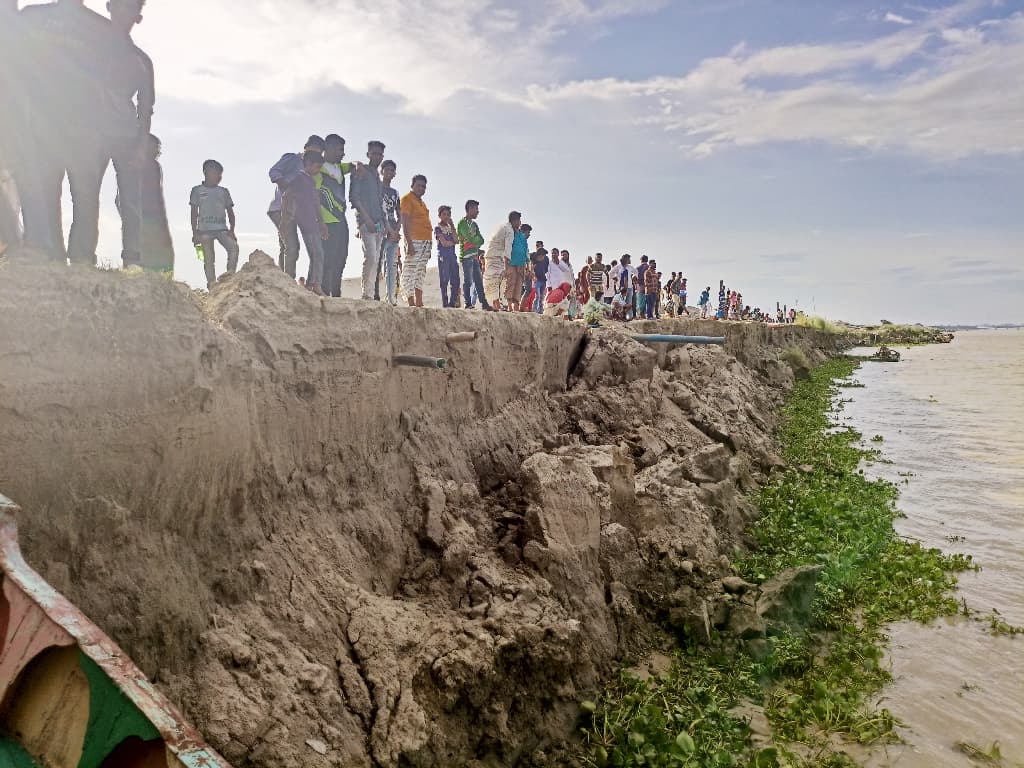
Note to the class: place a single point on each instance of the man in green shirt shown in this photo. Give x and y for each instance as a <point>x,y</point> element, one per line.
<point>470,243</point>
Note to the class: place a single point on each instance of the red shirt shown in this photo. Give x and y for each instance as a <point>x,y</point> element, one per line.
<point>651,281</point>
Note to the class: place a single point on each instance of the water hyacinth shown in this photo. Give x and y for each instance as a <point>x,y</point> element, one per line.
<point>816,689</point>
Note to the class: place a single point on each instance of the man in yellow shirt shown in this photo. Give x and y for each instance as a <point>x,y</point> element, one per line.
<point>419,241</point>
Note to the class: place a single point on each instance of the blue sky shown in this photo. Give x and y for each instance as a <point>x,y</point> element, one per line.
<point>857,159</point>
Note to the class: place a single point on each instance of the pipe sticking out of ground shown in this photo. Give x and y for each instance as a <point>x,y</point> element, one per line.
<point>419,361</point>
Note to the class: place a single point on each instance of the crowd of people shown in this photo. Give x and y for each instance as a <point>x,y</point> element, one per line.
<point>314,188</point>
<point>94,108</point>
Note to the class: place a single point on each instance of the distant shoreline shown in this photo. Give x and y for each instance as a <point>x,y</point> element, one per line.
<point>1000,327</point>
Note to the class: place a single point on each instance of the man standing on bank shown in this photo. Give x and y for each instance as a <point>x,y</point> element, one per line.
<point>498,256</point>
<point>515,276</point>
<point>330,183</point>
<point>12,123</point>
<point>72,124</point>
<point>470,241</point>
<point>132,104</point>
<point>598,277</point>
<point>282,174</point>
<point>367,197</point>
<point>419,240</point>
<point>392,233</point>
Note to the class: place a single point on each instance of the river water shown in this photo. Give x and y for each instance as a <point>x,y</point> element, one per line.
<point>952,419</point>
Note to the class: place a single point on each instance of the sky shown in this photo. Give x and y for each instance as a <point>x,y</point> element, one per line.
<point>856,160</point>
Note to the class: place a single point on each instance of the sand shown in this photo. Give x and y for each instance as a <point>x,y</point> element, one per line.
<point>325,560</point>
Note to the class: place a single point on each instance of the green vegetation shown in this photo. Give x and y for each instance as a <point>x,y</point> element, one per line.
<point>815,686</point>
<point>680,719</point>
<point>819,323</point>
<point>898,335</point>
<point>997,625</point>
<point>796,359</point>
<point>991,756</point>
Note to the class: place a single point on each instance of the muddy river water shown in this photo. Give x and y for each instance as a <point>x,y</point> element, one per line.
<point>952,419</point>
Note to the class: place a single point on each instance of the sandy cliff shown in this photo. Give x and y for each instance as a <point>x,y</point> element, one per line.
<point>330,561</point>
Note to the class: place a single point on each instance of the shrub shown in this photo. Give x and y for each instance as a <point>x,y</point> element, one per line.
<point>818,323</point>
<point>797,360</point>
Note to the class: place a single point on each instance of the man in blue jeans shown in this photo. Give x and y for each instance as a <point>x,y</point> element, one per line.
<point>540,279</point>
<point>470,243</point>
<point>473,283</point>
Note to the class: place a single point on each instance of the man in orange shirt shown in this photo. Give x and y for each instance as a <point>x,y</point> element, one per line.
<point>419,241</point>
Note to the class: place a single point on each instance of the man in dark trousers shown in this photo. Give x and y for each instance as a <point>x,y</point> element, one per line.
<point>131,114</point>
<point>283,173</point>
<point>333,201</point>
<point>12,124</point>
<point>68,75</point>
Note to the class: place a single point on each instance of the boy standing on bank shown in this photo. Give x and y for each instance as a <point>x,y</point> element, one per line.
<point>447,261</point>
<point>213,220</point>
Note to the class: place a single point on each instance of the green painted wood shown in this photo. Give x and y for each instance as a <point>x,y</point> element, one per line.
<point>112,717</point>
<point>12,755</point>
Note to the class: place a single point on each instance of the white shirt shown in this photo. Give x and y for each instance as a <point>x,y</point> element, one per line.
<point>499,250</point>
<point>560,273</point>
<point>334,171</point>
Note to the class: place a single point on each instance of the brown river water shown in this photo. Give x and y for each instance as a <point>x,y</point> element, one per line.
<point>952,416</point>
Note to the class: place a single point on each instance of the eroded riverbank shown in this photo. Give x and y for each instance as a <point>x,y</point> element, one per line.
<point>328,560</point>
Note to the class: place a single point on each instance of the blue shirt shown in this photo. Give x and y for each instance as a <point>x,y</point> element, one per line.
<point>540,268</point>
<point>445,237</point>
<point>520,251</point>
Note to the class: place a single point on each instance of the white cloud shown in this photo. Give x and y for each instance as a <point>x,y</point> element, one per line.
<point>935,87</point>
<point>423,52</point>
<point>895,18</point>
<point>936,90</point>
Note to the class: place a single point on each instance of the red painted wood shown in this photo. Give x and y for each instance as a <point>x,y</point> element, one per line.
<point>29,632</point>
<point>40,617</point>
